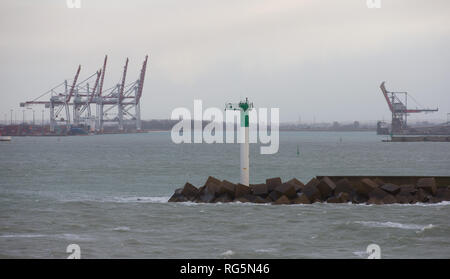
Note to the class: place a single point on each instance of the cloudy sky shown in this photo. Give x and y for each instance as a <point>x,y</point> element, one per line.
<point>314,59</point>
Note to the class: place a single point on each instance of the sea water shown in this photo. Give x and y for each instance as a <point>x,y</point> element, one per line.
<point>108,194</point>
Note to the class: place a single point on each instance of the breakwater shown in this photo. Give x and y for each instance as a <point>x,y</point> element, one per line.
<point>330,189</point>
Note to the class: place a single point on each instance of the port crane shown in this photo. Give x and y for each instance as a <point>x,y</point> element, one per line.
<point>122,98</point>
<point>398,105</point>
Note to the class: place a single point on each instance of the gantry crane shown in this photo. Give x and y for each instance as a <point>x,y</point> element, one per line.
<point>80,96</point>
<point>125,97</point>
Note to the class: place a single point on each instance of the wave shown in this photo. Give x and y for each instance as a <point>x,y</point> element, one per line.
<point>165,199</point>
<point>140,199</point>
<point>426,204</point>
<point>389,205</point>
<point>374,224</point>
<point>227,253</point>
<point>23,235</point>
<point>119,200</point>
<point>66,236</point>
<point>361,254</point>
<point>121,229</point>
<point>268,250</point>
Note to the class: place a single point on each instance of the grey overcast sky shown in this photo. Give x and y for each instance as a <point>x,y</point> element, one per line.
<point>321,59</point>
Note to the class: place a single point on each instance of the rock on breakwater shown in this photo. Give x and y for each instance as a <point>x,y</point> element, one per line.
<point>331,189</point>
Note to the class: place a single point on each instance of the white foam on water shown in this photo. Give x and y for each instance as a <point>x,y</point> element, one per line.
<point>237,203</point>
<point>67,236</point>
<point>165,199</point>
<point>141,199</point>
<point>23,235</point>
<point>189,203</point>
<point>374,224</point>
<point>426,204</point>
<point>70,236</point>
<point>120,199</point>
<point>361,254</point>
<point>268,250</point>
<point>443,203</point>
<point>249,203</point>
<point>227,253</point>
<point>121,229</point>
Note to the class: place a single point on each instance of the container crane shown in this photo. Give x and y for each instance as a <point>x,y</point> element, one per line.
<point>79,95</point>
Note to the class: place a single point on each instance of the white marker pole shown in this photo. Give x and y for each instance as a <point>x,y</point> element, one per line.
<point>244,108</point>
<point>245,152</point>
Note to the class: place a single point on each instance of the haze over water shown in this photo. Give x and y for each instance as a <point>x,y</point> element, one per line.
<point>109,195</point>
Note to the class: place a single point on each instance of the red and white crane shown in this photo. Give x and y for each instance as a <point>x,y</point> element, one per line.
<point>125,97</point>
<point>80,96</point>
<point>398,105</point>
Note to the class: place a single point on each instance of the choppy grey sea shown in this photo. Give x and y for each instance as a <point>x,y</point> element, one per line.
<point>108,194</point>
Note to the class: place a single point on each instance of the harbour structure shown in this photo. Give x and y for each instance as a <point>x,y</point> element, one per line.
<point>398,105</point>
<point>117,104</point>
